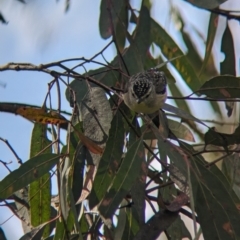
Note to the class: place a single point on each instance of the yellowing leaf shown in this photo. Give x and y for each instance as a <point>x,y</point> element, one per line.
<point>41,116</point>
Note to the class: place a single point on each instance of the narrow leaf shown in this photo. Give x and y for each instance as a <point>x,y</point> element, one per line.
<point>181,113</point>
<point>220,87</point>
<point>212,28</point>
<point>40,190</point>
<point>125,177</point>
<point>207,4</point>
<point>155,225</point>
<point>170,49</point>
<point>229,63</point>
<point>28,172</point>
<point>109,162</point>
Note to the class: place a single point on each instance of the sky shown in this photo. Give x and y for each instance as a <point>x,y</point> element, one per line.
<point>40,32</point>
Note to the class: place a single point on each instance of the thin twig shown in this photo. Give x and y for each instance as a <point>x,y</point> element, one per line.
<point>205,99</point>
<point>5,165</point>
<point>159,186</point>
<point>12,150</point>
<point>150,203</point>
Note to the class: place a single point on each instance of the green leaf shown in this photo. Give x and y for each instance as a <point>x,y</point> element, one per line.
<point>124,179</point>
<point>213,202</point>
<point>114,15</point>
<point>230,168</point>
<point>122,217</point>
<point>133,56</point>
<point>28,172</point>
<point>36,233</point>
<point>109,162</point>
<point>227,47</point>
<point>40,190</point>
<point>175,91</point>
<point>170,49</point>
<point>208,4</point>
<point>132,223</point>
<point>228,64</point>
<point>138,188</point>
<point>77,156</point>
<point>63,229</point>
<point>181,113</point>
<point>178,230</point>
<point>212,28</point>
<point>139,43</point>
<point>216,204</point>
<point>221,87</point>
<point>156,224</point>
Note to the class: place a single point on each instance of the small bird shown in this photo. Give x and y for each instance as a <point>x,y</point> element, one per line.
<point>146,91</point>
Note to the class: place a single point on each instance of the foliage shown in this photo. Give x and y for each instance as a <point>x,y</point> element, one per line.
<point>107,160</point>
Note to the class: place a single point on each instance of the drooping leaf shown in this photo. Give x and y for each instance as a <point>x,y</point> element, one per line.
<point>28,172</point>
<point>114,17</point>
<point>109,162</point>
<point>213,195</point>
<point>195,59</point>
<point>40,190</point>
<point>137,191</point>
<point>227,66</point>
<point>181,113</point>
<point>213,202</point>
<point>122,219</point>
<point>212,28</point>
<point>77,156</point>
<point>132,224</point>
<point>230,168</point>
<point>208,4</point>
<point>177,128</point>
<point>133,57</point>
<point>178,230</point>
<point>170,49</point>
<point>123,181</point>
<point>227,47</point>
<point>140,41</point>
<point>36,233</point>
<point>110,17</point>
<point>221,87</point>
<point>176,92</point>
<point>155,225</point>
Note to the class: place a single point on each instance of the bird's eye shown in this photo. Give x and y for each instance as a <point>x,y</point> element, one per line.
<point>147,96</point>
<point>163,91</point>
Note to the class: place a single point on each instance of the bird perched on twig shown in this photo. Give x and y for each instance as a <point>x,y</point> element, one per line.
<point>146,91</point>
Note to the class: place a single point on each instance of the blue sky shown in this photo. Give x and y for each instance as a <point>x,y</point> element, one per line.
<point>40,32</point>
